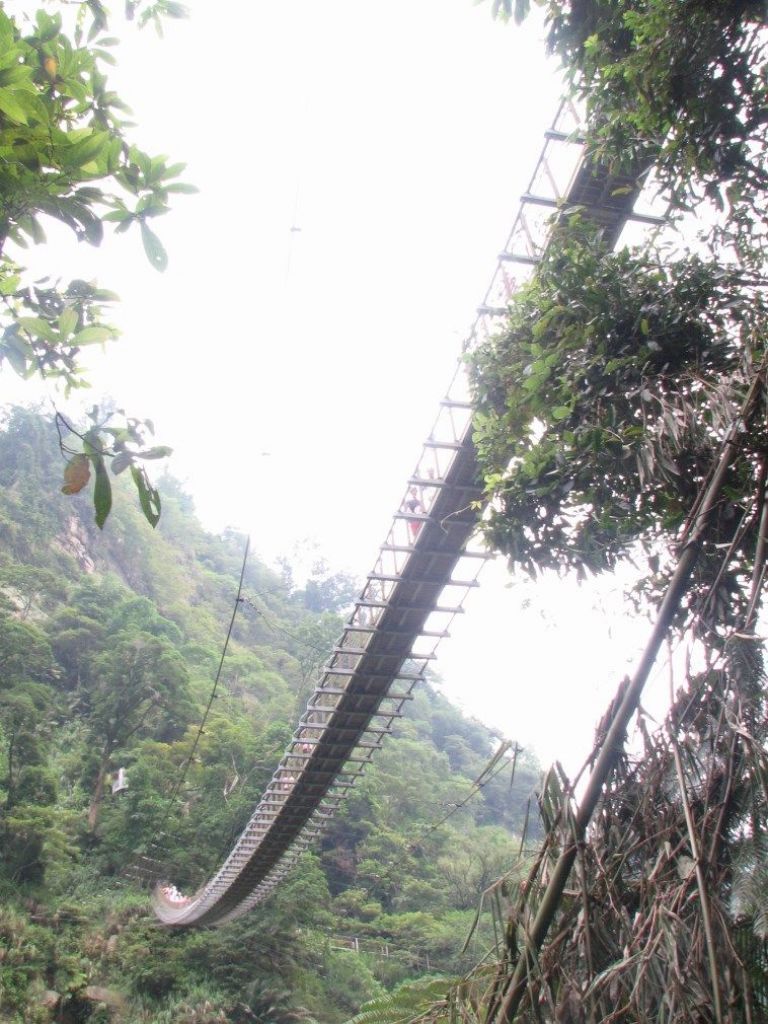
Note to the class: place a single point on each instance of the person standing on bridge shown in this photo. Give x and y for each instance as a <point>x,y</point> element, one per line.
<point>415,506</point>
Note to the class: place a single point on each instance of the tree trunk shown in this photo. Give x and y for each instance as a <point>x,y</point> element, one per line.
<point>11,787</point>
<point>98,789</point>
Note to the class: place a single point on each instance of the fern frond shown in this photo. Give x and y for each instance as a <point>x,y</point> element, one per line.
<point>407,1003</point>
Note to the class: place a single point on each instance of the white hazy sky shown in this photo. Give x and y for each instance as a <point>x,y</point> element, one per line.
<point>398,138</point>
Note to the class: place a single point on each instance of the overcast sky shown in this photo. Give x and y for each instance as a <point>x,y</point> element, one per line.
<point>296,372</point>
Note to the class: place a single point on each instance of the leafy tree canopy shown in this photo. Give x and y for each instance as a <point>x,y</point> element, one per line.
<point>622,412</point>
<point>604,402</point>
<point>606,398</point>
<point>108,649</point>
<point>65,154</point>
<point>680,86</point>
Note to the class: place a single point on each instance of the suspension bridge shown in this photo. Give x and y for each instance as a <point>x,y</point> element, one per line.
<point>428,563</point>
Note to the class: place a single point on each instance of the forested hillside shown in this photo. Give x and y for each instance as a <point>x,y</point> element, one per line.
<point>109,644</point>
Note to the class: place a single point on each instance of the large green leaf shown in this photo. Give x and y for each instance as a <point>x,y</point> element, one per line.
<point>153,247</point>
<point>93,335</point>
<point>36,325</point>
<point>6,32</point>
<point>17,351</point>
<point>149,498</point>
<point>68,321</point>
<point>11,107</point>
<point>102,490</point>
<point>29,102</point>
<point>84,150</point>
<point>121,462</point>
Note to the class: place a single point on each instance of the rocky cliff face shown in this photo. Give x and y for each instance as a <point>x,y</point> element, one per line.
<point>73,541</point>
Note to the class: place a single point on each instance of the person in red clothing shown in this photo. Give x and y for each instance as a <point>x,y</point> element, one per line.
<point>414,504</point>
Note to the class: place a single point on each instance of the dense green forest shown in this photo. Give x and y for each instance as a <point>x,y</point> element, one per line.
<point>109,643</point>
<point>620,412</point>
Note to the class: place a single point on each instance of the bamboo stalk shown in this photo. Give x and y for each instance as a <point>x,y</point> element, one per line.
<point>700,881</point>
<point>613,743</point>
<point>758,569</point>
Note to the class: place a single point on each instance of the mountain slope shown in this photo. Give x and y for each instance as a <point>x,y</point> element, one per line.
<point>109,643</point>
